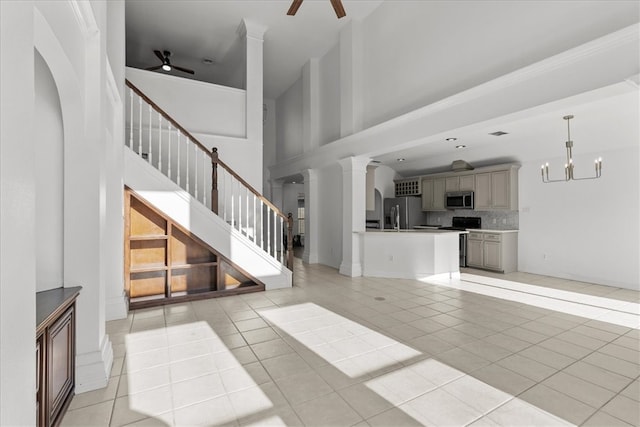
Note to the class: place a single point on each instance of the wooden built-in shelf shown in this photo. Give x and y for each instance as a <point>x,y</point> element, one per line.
<point>142,238</point>
<point>165,263</point>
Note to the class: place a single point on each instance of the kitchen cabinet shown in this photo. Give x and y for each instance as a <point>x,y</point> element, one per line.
<point>460,183</point>
<point>433,190</point>
<point>496,190</point>
<point>407,187</point>
<point>496,251</point>
<point>55,353</point>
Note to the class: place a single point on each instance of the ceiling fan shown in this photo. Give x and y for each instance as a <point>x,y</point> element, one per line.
<point>166,64</point>
<point>337,6</point>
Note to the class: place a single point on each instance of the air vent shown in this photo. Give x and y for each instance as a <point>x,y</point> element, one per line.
<point>499,133</point>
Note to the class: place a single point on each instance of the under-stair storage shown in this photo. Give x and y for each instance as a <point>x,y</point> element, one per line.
<point>166,263</point>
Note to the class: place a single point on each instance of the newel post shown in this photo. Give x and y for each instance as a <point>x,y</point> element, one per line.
<point>290,240</point>
<point>214,180</point>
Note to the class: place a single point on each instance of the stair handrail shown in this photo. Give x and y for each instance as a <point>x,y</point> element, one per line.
<point>215,161</point>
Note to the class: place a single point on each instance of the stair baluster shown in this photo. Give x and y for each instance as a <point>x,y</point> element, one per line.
<point>150,148</point>
<point>169,152</point>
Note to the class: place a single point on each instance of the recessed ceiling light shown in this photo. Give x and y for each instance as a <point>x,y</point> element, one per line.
<point>451,139</point>
<point>207,61</point>
<point>401,159</point>
<point>460,146</point>
<point>499,133</point>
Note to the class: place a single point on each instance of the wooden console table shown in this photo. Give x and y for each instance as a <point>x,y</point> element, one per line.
<point>55,353</point>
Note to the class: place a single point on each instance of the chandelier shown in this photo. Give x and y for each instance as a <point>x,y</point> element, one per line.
<point>569,166</point>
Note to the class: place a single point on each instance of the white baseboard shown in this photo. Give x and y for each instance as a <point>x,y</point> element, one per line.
<point>117,307</point>
<point>351,269</point>
<point>94,368</point>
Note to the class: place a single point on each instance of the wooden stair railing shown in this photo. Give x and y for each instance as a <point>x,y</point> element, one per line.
<point>174,151</point>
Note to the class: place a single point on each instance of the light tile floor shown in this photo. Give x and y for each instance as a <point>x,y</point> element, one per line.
<point>488,350</point>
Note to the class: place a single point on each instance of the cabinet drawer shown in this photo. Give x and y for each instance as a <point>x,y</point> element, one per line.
<point>493,237</point>
<point>475,236</point>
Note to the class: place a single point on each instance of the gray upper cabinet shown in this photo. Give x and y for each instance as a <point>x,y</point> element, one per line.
<point>433,190</point>
<point>495,187</point>
<point>460,183</point>
<point>497,190</point>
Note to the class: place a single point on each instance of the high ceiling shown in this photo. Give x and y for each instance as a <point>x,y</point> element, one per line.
<point>196,30</point>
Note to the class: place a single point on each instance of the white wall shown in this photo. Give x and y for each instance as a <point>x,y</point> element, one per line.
<point>416,53</point>
<point>289,122</point>
<point>17,216</point>
<point>199,107</point>
<point>49,161</point>
<point>384,181</point>
<point>588,230</point>
<point>213,114</point>
<point>329,96</point>
<point>330,218</point>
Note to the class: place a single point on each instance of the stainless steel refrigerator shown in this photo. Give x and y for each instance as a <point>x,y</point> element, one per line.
<point>405,211</point>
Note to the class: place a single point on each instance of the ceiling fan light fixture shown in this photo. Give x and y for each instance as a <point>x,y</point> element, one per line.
<point>166,67</point>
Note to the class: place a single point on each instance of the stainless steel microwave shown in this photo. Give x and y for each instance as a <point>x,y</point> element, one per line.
<point>459,200</point>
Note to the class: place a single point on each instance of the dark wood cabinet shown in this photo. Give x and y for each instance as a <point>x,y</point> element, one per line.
<point>55,353</point>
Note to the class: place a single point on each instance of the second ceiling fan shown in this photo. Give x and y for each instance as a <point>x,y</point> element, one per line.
<point>166,63</point>
<point>337,6</point>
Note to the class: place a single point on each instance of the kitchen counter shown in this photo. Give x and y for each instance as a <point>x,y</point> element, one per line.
<point>486,230</point>
<point>410,254</point>
<point>417,231</point>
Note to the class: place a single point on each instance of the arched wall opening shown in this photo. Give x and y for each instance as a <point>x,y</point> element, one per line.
<point>49,164</point>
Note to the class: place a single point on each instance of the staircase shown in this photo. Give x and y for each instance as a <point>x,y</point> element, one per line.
<point>188,185</point>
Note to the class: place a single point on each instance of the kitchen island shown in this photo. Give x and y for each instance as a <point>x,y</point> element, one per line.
<point>411,254</point>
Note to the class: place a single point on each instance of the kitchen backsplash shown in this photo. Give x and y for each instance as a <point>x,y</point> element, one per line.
<point>495,220</point>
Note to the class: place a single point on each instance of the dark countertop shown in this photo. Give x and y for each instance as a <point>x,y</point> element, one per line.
<point>50,302</point>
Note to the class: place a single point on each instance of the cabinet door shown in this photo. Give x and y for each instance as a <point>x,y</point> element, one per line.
<point>483,191</point>
<point>438,193</point>
<point>427,194</point>
<point>492,255</point>
<point>474,253</point>
<point>60,363</point>
<point>452,183</point>
<point>500,190</point>
<point>467,182</point>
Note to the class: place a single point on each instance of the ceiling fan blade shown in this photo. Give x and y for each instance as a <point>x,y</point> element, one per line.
<point>184,70</point>
<point>337,6</point>
<point>159,55</point>
<point>153,68</point>
<point>294,7</point>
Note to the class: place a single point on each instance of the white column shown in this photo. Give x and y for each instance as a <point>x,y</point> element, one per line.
<point>18,218</point>
<point>311,105</point>
<point>116,299</point>
<point>351,77</point>
<point>354,170</point>
<point>85,221</point>
<point>311,216</point>
<point>277,198</point>
<point>254,35</point>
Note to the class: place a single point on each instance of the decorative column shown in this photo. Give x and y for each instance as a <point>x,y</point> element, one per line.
<point>311,105</point>
<point>354,170</point>
<point>351,64</point>
<point>277,198</point>
<point>311,216</point>
<point>254,34</point>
